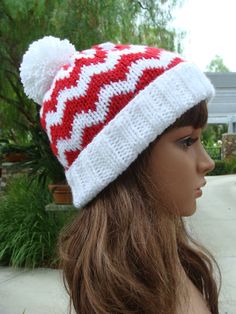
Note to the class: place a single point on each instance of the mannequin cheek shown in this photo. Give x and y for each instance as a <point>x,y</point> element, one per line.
<point>181,203</point>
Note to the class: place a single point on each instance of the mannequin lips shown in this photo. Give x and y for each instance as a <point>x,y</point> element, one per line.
<point>203,184</point>
<point>198,192</point>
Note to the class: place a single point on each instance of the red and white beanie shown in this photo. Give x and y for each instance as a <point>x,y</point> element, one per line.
<point>103,106</point>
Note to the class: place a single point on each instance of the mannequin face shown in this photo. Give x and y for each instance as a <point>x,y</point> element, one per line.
<point>177,166</point>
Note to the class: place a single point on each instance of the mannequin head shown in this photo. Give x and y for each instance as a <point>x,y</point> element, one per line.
<point>116,116</point>
<point>124,249</point>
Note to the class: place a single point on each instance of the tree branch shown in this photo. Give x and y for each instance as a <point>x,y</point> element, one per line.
<point>9,100</point>
<point>141,5</point>
<point>20,108</point>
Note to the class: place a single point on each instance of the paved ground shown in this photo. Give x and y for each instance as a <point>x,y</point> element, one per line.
<point>41,291</point>
<point>214,224</point>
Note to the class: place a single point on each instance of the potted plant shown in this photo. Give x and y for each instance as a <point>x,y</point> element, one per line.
<point>12,152</point>
<point>47,169</point>
<point>42,165</point>
<point>61,193</point>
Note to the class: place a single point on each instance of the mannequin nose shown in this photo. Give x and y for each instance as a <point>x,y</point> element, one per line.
<point>206,163</point>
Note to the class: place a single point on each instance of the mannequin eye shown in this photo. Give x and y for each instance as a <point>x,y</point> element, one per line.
<point>187,142</point>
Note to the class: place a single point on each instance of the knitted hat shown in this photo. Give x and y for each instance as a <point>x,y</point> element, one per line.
<point>103,106</point>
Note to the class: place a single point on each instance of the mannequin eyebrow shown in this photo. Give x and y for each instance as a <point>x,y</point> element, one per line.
<point>184,132</point>
<point>184,137</point>
<point>189,133</point>
<point>192,138</point>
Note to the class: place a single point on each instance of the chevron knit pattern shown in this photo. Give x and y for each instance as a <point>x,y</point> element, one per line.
<point>108,103</point>
<point>96,87</point>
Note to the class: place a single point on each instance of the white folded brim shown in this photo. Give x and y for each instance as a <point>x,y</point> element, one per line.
<point>145,117</point>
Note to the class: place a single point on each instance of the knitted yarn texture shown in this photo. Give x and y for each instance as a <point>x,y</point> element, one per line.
<point>105,105</point>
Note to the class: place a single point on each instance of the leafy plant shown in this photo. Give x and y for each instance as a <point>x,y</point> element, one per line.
<point>213,133</point>
<point>217,65</point>
<point>214,152</point>
<point>3,144</point>
<point>223,167</point>
<point>28,234</point>
<point>39,159</point>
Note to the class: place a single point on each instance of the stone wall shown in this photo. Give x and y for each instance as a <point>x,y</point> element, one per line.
<point>228,145</point>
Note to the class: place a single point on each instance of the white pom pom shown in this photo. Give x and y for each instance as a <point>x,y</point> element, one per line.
<point>40,64</point>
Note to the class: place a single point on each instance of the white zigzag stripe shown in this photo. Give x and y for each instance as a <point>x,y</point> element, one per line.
<point>62,74</point>
<point>107,46</point>
<point>102,106</point>
<point>55,118</point>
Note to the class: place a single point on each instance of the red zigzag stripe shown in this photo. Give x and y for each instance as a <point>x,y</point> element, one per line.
<point>68,83</point>
<point>116,74</point>
<point>84,103</point>
<point>90,132</point>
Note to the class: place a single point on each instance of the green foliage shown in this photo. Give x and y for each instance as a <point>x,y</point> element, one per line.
<point>39,159</point>
<point>88,22</point>
<point>211,139</point>
<point>42,163</point>
<point>28,234</point>
<point>15,33</point>
<point>222,167</point>
<point>213,133</point>
<point>3,144</point>
<point>217,65</point>
<point>214,152</point>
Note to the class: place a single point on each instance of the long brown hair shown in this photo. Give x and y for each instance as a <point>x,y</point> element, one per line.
<point>119,255</point>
